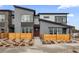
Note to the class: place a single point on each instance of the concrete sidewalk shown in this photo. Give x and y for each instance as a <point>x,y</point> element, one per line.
<point>53,48</point>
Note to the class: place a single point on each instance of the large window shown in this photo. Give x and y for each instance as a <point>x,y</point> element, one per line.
<point>2,18</point>
<point>52,30</point>
<point>55,30</point>
<point>61,19</point>
<point>26,18</point>
<point>26,29</point>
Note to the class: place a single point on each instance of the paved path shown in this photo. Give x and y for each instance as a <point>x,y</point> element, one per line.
<point>42,49</point>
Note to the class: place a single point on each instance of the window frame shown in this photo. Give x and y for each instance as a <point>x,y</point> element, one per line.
<point>26,29</point>
<point>51,30</point>
<point>56,30</point>
<point>26,18</point>
<point>2,16</point>
<point>59,30</point>
<point>61,19</point>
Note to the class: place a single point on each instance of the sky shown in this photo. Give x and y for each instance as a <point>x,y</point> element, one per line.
<point>73,10</point>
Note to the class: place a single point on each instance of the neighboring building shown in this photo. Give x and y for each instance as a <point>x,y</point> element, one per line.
<point>75,33</point>
<point>6,21</point>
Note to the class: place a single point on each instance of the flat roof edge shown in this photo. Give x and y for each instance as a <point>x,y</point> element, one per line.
<point>51,13</point>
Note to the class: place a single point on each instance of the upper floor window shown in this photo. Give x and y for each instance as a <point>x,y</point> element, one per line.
<point>2,18</point>
<point>46,17</point>
<point>61,19</point>
<point>26,18</point>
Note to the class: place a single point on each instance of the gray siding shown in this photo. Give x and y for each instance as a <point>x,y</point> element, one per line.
<point>36,20</point>
<point>51,17</point>
<point>8,21</point>
<point>18,13</point>
<point>44,27</point>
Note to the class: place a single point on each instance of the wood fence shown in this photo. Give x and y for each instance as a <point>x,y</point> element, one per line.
<point>16,35</point>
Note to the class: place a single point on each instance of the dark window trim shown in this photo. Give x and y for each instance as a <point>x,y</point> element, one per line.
<point>57,29</point>
<point>62,20</point>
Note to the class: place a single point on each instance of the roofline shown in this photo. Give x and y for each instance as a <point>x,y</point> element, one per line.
<point>56,23</point>
<point>23,8</point>
<point>76,31</point>
<point>51,13</point>
<point>6,10</point>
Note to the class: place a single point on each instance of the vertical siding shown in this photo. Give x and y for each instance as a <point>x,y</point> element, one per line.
<point>44,27</point>
<point>18,13</point>
<point>51,17</point>
<point>8,20</point>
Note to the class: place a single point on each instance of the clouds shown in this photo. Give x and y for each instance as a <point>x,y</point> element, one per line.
<point>67,6</point>
<point>70,15</point>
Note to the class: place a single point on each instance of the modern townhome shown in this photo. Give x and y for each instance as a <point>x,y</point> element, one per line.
<point>6,21</point>
<point>54,23</point>
<point>44,23</point>
<point>24,20</point>
<point>47,26</point>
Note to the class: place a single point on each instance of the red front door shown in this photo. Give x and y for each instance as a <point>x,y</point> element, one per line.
<point>36,31</point>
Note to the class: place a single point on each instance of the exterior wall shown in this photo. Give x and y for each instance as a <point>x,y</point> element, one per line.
<point>51,17</point>
<point>17,20</point>
<point>13,17</point>
<point>8,21</point>
<point>44,27</point>
<point>36,20</point>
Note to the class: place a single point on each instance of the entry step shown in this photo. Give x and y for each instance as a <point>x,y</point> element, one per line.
<point>37,41</point>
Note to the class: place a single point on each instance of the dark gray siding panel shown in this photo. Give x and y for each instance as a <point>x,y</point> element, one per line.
<point>18,13</point>
<point>24,24</point>
<point>44,27</point>
<point>2,24</point>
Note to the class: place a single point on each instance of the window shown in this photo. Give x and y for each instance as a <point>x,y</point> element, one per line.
<point>64,20</point>
<point>64,31</point>
<point>2,30</point>
<point>51,30</point>
<point>30,30</point>
<point>13,16</point>
<point>60,19</point>
<point>26,29</point>
<point>26,18</point>
<point>46,16</point>
<point>59,30</point>
<point>56,30</point>
<point>22,30</point>
<point>2,18</point>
